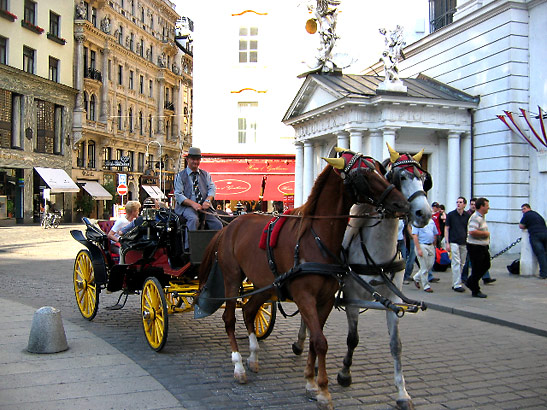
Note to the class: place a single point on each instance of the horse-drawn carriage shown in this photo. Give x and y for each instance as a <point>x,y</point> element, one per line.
<point>307,266</point>
<point>155,264</point>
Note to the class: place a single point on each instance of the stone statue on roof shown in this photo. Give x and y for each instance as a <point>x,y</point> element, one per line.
<point>391,56</point>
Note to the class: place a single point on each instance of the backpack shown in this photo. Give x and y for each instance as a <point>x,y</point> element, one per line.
<point>514,267</point>
<point>442,260</point>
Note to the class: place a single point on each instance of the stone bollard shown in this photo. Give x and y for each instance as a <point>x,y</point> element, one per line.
<point>528,262</point>
<point>47,334</point>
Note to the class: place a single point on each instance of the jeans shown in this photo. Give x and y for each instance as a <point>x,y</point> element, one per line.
<point>539,246</point>
<point>410,256</point>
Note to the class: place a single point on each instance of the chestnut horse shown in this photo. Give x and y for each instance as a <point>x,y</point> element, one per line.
<point>304,265</point>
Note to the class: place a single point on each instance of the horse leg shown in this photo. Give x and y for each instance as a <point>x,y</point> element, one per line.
<point>298,346</point>
<point>230,324</point>
<point>315,320</point>
<point>404,401</point>
<point>352,316</point>
<point>250,309</point>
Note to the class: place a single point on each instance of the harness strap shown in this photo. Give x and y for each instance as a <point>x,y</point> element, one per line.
<point>416,195</point>
<point>390,188</point>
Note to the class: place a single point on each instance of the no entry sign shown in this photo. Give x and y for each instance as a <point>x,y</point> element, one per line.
<point>122,189</point>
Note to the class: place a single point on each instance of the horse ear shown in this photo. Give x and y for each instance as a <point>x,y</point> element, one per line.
<point>393,155</point>
<point>338,163</point>
<point>418,156</point>
<point>338,149</point>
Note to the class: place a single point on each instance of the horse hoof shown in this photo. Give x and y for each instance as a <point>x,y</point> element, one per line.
<point>253,366</point>
<point>241,378</point>
<point>344,380</point>
<point>405,404</point>
<point>324,404</point>
<point>297,350</point>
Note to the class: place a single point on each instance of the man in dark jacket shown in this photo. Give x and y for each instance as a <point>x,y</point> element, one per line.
<point>455,233</point>
<point>537,230</point>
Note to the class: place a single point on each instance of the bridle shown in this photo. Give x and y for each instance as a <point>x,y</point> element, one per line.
<point>399,166</point>
<point>351,176</point>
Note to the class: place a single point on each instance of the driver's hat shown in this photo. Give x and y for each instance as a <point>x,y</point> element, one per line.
<point>194,152</point>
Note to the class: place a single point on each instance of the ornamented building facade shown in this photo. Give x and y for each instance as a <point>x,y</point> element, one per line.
<point>36,105</point>
<point>134,104</point>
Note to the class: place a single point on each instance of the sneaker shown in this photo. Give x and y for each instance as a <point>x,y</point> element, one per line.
<point>406,281</point>
<point>459,289</point>
<point>479,294</point>
<point>428,290</point>
<point>487,281</point>
<point>417,284</point>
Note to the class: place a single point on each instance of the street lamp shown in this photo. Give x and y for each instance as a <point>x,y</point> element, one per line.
<point>147,155</point>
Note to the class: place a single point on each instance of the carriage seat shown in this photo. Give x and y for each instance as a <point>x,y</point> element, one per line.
<point>106,226</point>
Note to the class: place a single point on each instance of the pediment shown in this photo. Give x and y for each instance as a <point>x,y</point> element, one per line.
<point>313,94</point>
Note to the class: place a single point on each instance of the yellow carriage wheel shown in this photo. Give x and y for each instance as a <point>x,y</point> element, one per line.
<point>154,313</point>
<point>85,288</point>
<point>265,320</point>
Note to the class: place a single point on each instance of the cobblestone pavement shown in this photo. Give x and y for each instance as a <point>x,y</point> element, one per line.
<point>450,362</point>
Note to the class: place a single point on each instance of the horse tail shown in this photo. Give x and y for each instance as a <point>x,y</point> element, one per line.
<point>209,259</point>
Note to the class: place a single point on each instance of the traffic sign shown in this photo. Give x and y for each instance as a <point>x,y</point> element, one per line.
<point>122,189</point>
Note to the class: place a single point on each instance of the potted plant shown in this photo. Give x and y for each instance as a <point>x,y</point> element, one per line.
<point>84,205</point>
<point>10,208</point>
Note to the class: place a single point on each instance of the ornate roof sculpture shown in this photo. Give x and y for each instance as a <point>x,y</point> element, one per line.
<point>392,54</point>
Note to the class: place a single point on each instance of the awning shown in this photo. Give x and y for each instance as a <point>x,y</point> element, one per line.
<point>57,180</point>
<point>153,191</point>
<point>247,187</point>
<point>96,190</point>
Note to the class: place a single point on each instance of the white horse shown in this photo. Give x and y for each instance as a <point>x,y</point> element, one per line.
<point>371,245</point>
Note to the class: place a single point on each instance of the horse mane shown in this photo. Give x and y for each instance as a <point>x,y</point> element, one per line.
<point>308,208</point>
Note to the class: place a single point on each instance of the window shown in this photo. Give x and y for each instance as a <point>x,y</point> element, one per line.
<point>92,59</point>
<point>86,103</point>
<point>120,35</point>
<point>53,69</point>
<point>4,5</point>
<point>132,42</point>
<point>119,116</point>
<point>54,26</point>
<point>28,59</point>
<point>94,16</point>
<point>91,154</point>
<point>130,79</point>
<point>150,87</point>
<point>119,154</point>
<point>120,74</point>
<point>246,122</point>
<point>142,15</point>
<point>248,44</point>
<point>140,165</point>
<point>131,155</point>
<point>45,126</point>
<point>151,53</point>
<point>91,112</point>
<point>141,84</point>
<point>107,156</point>
<point>150,125</point>
<point>3,50</point>
<point>110,70</point>
<point>150,162</point>
<point>141,123</point>
<point>167,129</point>
<point>30,12</point>
<point>131,120</point>
<point>441,13</point>
<point>58,132</point>
<point>80,159</point>
<point>6,115</point>
<point>141,48</point>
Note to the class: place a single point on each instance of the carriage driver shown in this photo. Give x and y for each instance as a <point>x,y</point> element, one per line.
<point>194,191</point>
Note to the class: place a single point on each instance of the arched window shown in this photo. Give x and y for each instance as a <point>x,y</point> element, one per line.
<point>91,112</point>
<point>120,116</point>
<point>141,124</point>
<point>131,120</point>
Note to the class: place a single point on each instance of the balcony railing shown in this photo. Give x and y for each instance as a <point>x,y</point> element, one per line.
<point>93,74</point>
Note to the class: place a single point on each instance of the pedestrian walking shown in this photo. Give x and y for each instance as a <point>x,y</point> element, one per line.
<point>424,242</point>
<point>478,243</point>
<point>455,233</point>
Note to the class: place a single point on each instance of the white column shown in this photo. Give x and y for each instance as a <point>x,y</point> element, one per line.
<point>308,170</point>
<point>528,261</point>
<point>466,166</point>
<point>453,168</point>
<point>318,163</point>
<point>298,174</point>
<point>389,138</point>
<point>375,141</point>
<point>342,139</point>
<point>356,140</point>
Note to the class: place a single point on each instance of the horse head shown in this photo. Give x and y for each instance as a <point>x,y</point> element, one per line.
<point>405,172</point>
<point>364,178</point>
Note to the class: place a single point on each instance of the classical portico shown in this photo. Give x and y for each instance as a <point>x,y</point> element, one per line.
<point>351,112</point>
